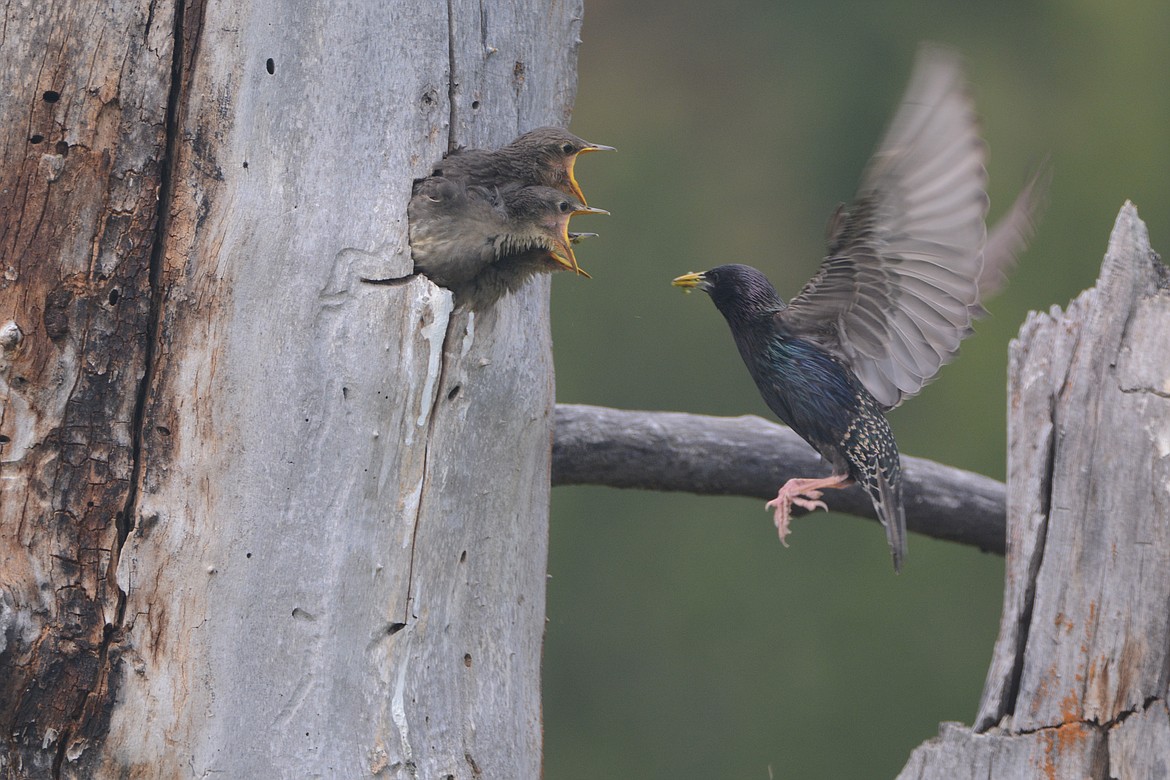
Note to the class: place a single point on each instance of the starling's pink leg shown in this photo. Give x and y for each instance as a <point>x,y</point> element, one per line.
<point>804,493</point>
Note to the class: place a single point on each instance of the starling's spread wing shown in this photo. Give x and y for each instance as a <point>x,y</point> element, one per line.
<point>1010,235</point>
<point>895,295</point>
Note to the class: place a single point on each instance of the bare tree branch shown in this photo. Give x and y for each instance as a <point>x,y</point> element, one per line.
<point>749,456</point>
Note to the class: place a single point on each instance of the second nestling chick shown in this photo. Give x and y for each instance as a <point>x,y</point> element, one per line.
<point>545,156</point>
<point>483,243</point>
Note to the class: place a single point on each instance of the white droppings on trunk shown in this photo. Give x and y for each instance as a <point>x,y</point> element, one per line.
<point>1159,429</point>
<point>410,503</point>
<point>398,710</point>
<point>434,333</point>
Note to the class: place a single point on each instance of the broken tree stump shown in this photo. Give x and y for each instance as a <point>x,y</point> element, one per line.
<point>1078,682</point>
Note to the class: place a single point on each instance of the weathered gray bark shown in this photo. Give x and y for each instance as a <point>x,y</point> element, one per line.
<point>315,546</point>
<point>749,456</point>
<point>1078,682</point>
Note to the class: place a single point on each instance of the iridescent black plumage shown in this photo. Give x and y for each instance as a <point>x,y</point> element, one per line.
<point>909,264</point>
<point>811,391</point>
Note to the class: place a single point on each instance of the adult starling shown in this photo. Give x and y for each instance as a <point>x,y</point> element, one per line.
<point>483,243</point>
<point>544,156</point>
<point>891,301</point>
<point>813,390</point>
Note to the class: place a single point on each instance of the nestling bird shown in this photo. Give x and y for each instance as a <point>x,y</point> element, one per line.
<point>545,156</point>
<point>908,266</point>
<point>485,242</point>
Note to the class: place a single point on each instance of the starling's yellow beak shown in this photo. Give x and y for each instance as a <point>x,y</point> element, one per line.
<point>573,185</point>
<point>565,249</point>
<point>690,281</point>
<point>590,210</point>
<point>562,253</point>
<point>563,256</point>
<point>597,148</point>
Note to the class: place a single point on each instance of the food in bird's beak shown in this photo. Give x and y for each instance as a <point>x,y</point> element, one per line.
<point>689,281</point>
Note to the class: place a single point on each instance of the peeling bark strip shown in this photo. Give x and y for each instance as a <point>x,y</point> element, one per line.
<point>82,126</point>
<point>1078,681</point>
<point>749,456</point>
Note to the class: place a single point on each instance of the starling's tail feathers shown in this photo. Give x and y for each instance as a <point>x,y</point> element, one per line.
<point>892,515</point>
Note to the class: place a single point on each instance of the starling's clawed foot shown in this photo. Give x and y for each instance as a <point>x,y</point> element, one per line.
<point>781,505</point>
<point>804,493</point>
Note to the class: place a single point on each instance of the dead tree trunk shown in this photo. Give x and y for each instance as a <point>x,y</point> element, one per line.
<point>260,519</point>
<point>1078,681</point>
<point>83,123</point>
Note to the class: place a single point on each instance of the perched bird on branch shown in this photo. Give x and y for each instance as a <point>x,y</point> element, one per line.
<point>545,156</point>
<point>907,269</point>
<point>484,242</point>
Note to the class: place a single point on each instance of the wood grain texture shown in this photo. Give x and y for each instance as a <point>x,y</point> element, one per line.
<point>1084,644</point>
<point>1097,632</point>
<point>1071,751</point>
<point>82,129</point>
<point>475,624</point>
<point>337,566</point>
<point>750,456</point>
<point>1139,745</point>
<point>288,406</point>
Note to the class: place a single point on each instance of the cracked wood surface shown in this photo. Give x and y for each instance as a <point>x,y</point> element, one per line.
<point>337,493</point>
<point>750,456</point>
<point>82,125</point>
<point>1078,680</point>
<point>343,567</point>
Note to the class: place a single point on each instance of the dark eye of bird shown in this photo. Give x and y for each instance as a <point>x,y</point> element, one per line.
<point>564,206</point>
<point>567,148</point>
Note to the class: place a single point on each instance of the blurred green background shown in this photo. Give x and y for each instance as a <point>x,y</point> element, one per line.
<point>683,641</point>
